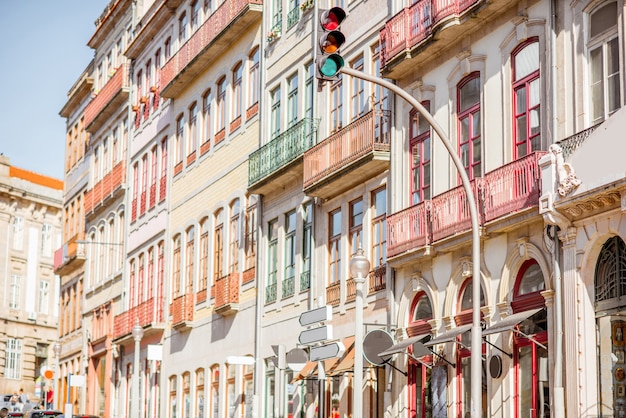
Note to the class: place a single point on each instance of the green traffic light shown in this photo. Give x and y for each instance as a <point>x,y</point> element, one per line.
<point>331,65</point>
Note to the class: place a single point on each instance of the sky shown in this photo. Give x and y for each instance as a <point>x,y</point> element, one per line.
<point>43,53</point>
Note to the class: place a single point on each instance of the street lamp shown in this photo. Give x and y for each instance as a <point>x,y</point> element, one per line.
<point>57,375</point>
<point>137,336</point>
<point>476,341</point>
<point>359,270</point>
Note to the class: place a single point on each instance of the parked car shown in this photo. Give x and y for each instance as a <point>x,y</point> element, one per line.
<point>15,414</point>
<point>41,413</point>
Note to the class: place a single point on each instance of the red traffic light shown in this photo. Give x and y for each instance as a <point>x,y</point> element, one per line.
<point>331,19</point>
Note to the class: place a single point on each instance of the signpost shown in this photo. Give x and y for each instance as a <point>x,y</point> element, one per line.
<point>321,314</point>
<point>326,351</point>
<point>315,335</point>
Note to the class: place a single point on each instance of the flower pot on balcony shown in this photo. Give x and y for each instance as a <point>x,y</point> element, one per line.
<point>144,99</point>
<point>153,89</point>
<point>135,108</point>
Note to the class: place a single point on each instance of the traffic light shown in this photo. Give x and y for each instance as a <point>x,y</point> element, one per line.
<point>329,61</point>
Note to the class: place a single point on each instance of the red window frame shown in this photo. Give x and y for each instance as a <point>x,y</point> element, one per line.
<point>473,165</point>
<point>524,146</point>
<point>419,144</point>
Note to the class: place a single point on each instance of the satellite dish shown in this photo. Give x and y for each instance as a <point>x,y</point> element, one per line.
<point>377,341</point>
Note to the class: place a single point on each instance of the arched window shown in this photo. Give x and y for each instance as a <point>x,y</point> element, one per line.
<point>419,374</point>
<point>176,267</point>
<point>237,90</point>
<point>610,275</point>
<point>234,234</point>
<point>419,133</point>
<point>189,257</point>
<point>526,98</point>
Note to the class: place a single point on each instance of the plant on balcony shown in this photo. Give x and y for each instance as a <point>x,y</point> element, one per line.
<point>153,89</point>
<point>144,99</point>
<point>135,108</point>
<point>273,35</point>
<point>306,5</point>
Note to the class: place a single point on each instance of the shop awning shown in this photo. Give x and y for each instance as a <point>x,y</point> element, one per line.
<point>402,345</point>
<point>306,372</point>
<point>448,336</point>
<point>508,323</point>
<point>346,364</point>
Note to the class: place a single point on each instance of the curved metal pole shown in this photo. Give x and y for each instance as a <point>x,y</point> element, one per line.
<point>476,355</point>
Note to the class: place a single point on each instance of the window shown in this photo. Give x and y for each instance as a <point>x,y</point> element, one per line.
<point>290,254</point>
<point>140,280</point>
<point>275,113</point>
<point>172,400</point>
<point>13,362</point>
<point>189,256</point>
<point>192,139</point>
<point>14,291</point>
<point>307,245</point>
<point>132,285</point>
<point>272,261</point>
<point>253,78</point>
<point>163,185</point>
<point>206,117</point>
<point>358,103</point>
<point>180,139</point>
<point>604,72</point>
<point>176,267</point>
<point>195,15</point>
<point>293,14</point>
<point>237,92</point>
<point>199,408</point>
<point>610,274</point>
<point>420,390</point>
<point>336,117</point>
<point>153,174</point>
<point>144,183</point>
<point>309,90</point>
<point>18,233</point>
<point>334,246</point>
<point>526,98</point>
<point>234,237</point>
<point>218,246</point>
<point>248,391</point>
<point>356,225</point>
<point>250,240</point>
<point>182,29</point>
<point>419,132</point>
<point>150,282</point>
<point>381,95</point>
<point>379,228</point>
<point>231,391</point>
<point>46,240</point>
<point>221,104</point>
<point>468,111</point>
<point>44,297</point>
<point>215,392</point>
<point>186,395</point>
<point>292,100</point>
<point>277,16</point>
<point>204,255</point>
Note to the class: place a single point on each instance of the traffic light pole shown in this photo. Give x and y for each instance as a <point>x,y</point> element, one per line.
<point>476,342</point>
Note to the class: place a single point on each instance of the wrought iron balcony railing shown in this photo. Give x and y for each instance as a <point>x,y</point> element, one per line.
<point>282,150</point>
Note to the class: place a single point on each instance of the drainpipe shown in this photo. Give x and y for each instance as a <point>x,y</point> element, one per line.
<point>559,393</point>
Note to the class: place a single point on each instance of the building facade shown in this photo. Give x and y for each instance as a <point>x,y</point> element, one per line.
<point>31,228</point>
<point>252,185</point>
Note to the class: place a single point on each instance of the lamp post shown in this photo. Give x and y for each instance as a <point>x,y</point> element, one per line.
<point>476,341</point>
<point>57,376</point>
<point>359,270</point>
<point>137,336</point>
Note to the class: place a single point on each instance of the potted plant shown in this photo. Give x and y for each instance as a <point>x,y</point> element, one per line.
<point>273,35</point>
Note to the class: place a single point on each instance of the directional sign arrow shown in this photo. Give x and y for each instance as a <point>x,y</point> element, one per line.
<point>326,351</point>
<point>325,313</point>
<point>314,335</point>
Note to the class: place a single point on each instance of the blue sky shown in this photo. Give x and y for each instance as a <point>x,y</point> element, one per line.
<point>43,53</point>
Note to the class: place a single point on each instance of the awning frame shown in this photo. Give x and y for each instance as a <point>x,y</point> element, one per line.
<point>509,324</point>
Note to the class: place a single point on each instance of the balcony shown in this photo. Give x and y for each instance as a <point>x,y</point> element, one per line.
<point>105,188</point>
<point>148,313</point>
<point>361,150</point>
<point>113,95</point>
<point>507,190</point>
<point>221,30</point>
<point>70,256</point>
<point>279,163</point>
<point>182,309</point>
<point>227,294</point>
<point>425,28</point>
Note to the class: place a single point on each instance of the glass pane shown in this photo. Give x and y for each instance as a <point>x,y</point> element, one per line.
<point>470,93</point>
<point>527,61</point>
<point>535,127</point>
<point>532,281</point>
<point>613,75</point>
<point>464,130</point>
<point>476,123</point>
<point>534,92</point>
<point>521,149</point>
<point>596,65</point>
<point>520,100</point>
<point>525,387</point>
<point>521,129</point>
<point>476,150</point>
<point>416,154</point>
<point>603,19</point>
<point>423,310</point>
<point>465,154</point>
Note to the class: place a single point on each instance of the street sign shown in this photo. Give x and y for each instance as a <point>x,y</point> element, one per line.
<point>315,335</point>
<point>323,352</point>
<point>325,313</point>
<point>296,359</point>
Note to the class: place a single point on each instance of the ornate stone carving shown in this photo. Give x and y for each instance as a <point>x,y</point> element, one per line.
<point>568,181</point>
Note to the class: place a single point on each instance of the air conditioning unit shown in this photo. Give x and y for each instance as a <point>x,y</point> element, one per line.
<point>32,316</point>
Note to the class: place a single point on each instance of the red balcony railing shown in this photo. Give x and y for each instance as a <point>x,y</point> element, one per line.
<point>148,312</point>
<point>70,251</point>
<point>105,187</point>
<point>213,27</point>
<point>227,291</point>
<point>508,189</point>
<point>99,104</point>
<point>414,24</point>
<point>365,135</point>
<point>182,309</point>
